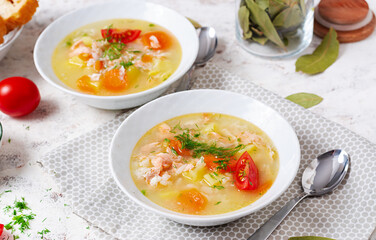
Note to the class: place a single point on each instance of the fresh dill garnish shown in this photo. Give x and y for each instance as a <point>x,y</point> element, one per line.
<point>68,43</point>
<point>151,25</point>
<point>196,135</point>
<point>8,191</point>
<point>143,192</point>
<point>134,51</point>
<point>108,33</point>
<point>219,187</point>
<point>174,151</point>
<point>44,231</point>
<point>201,149</point>
<point>114,51</point>
<point>217,203</point>
<point>126,65</point>
<point>176,127</point>
<point>167,140</point>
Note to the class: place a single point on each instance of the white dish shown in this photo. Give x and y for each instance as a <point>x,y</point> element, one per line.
<point>8,41</point>
<point>180,27</point>
<point>196,101</point>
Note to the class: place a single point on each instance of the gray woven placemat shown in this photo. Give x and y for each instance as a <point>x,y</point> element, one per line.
<point>81,170</point>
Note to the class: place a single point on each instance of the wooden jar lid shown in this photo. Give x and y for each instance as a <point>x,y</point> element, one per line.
<point>340,13</point>
<point>343,11</point>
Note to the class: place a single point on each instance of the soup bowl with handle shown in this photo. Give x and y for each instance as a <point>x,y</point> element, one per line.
<point>198,101</point>
<point>177,24</point>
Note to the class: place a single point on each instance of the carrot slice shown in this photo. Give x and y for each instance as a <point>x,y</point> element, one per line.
<point>85,84</point>
<point>85,56</point>
<point>157,40</point>
<point>192,201</point>
<point>98,66</point>
<point>114,81</point>
<point>146,58</point>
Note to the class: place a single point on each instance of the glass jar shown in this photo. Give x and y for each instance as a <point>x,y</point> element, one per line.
<point>274,28</point>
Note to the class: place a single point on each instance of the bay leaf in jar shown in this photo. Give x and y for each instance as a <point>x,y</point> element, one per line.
<point>261,18</point>
<point>275,7</point>
<point>244,23</point>
<point>263,4</point>
<point>288,18</point>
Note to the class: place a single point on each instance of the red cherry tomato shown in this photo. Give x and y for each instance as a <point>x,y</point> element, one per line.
<point>18,96</point>
<point>246,174</point>
<point>117,35</point>
<point>1,228</point>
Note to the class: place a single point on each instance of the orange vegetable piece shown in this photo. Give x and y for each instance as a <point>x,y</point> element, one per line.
<point>146,58</point>
<point>264,187</point>
<point>98,66</point>
<point>113,81</point>
<point>177,146</point>
<point>212,163</point>
<point>85,84</point>
<point>157,40</point>
<point>192,201</point>
<point>85,56</point>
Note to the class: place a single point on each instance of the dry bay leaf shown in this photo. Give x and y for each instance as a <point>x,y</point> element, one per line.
<point>289,17</point>
<point>244,23</point>
<point>263,4</point>
<point>310,238</point>
<point>324,55</point>
<point>305,100</point>
<point>275,7</point>
<point>261,18</point>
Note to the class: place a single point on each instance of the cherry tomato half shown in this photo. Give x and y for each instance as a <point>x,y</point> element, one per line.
<point>19,96</point>
<point>246,173</point>
<point>123,36</point>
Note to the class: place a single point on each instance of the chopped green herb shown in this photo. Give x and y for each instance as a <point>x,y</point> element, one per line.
<point>7,208</point>
<point>44,219</point>
<point>216,174</point>
<point>87,227</point>
<point>136,86</point>
<point>66,205</point>
<point>219,187</point>
<point>143,192</point>
<point>174,151</point>
<point>8,191</point>
<point>9,140</point>
<point>196,135</point>
<point>114,51</point>
<point>177,126</point>
<point>217,203</point>
<point>44,231</point>
<point>151,25</point>
<point>126,65</point>
<point>167,140</point>
<point>27,128</point>
<point>212,176</point>
<point>68,43</point>
<point>49,189</point>
<point>135,51</point>
<point>21,205</point>
<point>200,149</point>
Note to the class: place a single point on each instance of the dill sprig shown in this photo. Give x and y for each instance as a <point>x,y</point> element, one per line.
<point>114,50</point>
<point>201,149</point>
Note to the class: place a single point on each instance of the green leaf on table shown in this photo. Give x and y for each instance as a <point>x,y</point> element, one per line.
<point>310,238</point>
<point>263,4</point>
<point>305,100</point>
<point>194,23</point>
<point>243,15</point>
<point>288,18</point>
<point>275,7</point>
<point>261,18</point>
<point>324,55</point>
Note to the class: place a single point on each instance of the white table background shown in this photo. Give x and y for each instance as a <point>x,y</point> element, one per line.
<point>348,88</point>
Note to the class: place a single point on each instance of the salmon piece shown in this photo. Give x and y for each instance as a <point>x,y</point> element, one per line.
<point>148,148</point>
<point>163,160</point>
<point>247,137</point>
<point>78,48</point>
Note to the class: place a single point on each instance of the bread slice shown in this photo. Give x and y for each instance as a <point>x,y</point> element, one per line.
<point>3,30</point>
<point>17,12</point>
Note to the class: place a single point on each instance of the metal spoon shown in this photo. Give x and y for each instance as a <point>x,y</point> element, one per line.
<point>322,176</point>
<point>207,44</point>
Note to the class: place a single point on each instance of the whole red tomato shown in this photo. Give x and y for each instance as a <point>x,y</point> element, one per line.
<point>18,96</point>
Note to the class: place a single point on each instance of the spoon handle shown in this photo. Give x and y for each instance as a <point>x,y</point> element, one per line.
<point>265,230</point>
<point>186,81</point>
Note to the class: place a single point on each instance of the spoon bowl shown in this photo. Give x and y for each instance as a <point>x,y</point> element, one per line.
<point>208,42</point>
<point>321,176</point>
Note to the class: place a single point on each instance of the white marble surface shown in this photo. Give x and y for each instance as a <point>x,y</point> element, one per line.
<point>348,88</point>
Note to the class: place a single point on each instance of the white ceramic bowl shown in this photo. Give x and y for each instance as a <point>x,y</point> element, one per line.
<point>134,9</point>
<point>196,101</point>
<point>8,41</point>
